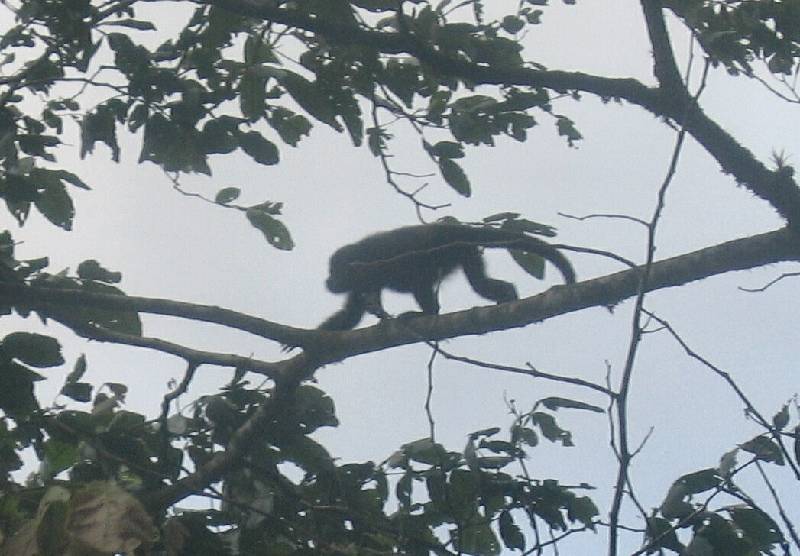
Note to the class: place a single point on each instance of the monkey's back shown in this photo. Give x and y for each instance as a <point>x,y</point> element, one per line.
<point>399,259</point>
<point>410,258</point>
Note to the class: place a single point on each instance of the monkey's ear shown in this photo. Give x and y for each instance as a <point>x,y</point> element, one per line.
<point>531,263</point>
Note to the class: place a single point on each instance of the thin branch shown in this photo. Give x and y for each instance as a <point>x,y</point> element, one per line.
<point>624,454</point>
<point>193,356</point>
<point>191,368</point>
<point>787,522</point>
<point>530,370</point>
<point>770,283</point>
<point>749,407</point>
<point>605,215</point>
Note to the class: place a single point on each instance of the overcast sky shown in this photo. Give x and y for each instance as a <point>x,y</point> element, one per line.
<point>171,246</point>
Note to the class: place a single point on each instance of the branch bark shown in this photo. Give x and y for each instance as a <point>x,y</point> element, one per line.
<point>329,347</point>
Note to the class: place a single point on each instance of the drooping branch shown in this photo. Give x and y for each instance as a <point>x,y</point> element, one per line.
<point>194,356</point>
<point>36,297</point>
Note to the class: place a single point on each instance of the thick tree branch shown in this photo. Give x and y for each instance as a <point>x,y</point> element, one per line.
<point>740,254</point>
<point>329,347</point>
<point>778,189</point>
<point>664,66</point>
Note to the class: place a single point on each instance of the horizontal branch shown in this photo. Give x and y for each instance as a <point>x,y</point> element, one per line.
<point>740,254</point>
<point>329,347</point>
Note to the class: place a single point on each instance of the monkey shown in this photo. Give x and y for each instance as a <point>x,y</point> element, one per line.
<point>415,259</point>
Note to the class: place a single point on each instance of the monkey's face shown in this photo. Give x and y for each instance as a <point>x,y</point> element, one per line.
<point>340,279</point>
<point>335,285</point>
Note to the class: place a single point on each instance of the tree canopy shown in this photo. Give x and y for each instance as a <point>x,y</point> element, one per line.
<point>241,470</point>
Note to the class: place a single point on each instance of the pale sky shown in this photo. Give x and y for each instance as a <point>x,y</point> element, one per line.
<point>167,245</point>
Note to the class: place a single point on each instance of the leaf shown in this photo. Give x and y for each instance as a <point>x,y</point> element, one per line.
<point>700,481</point>
<point>16,389</point>
<point>32,349</point>
<point>256,51</point>
<point>78,391</point>
<point>402,78</point>
<point>727,463</point>
<point>758,527</point>
<point>764,448</point>
<point>78,370</point>
<point>531,263</point>
<point>447,149</point>
<point>92,270</point>
<point>501,216</point>
<point>437,105</point>
<point>425,451</point>
<point>133,24</point>
<point>71,178</point>
<point>290,126</point>
<point>491,431</point>
<point>512,24</point>
<point>252,95</point>
<point>554,403</point>
<point>510,533</point>
<point>259,148</point>
<point>494,462</point>
<point>660,534</point>
<point>58,456</point>
<point>455,176</point>
<point>227,195</point>
<point>524,225</point>
<point>177,424</point>
<point>403,489</point>
<point>476,538</point>
<point>566,128</point>
<point>218,135</point>
<point>273,229</point>
<point>525,435</point>
<point>99,126</point>
<point>310,98</point>
<point>583,509</point>
<point>781,419</point>
<point>53,201</point>
<point>314,408</point>
<point>550,429</point>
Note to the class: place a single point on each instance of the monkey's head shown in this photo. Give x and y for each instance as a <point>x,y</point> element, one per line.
<point>340,279</point>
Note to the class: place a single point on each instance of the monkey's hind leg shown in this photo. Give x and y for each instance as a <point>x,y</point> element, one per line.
<point>498,291</point>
